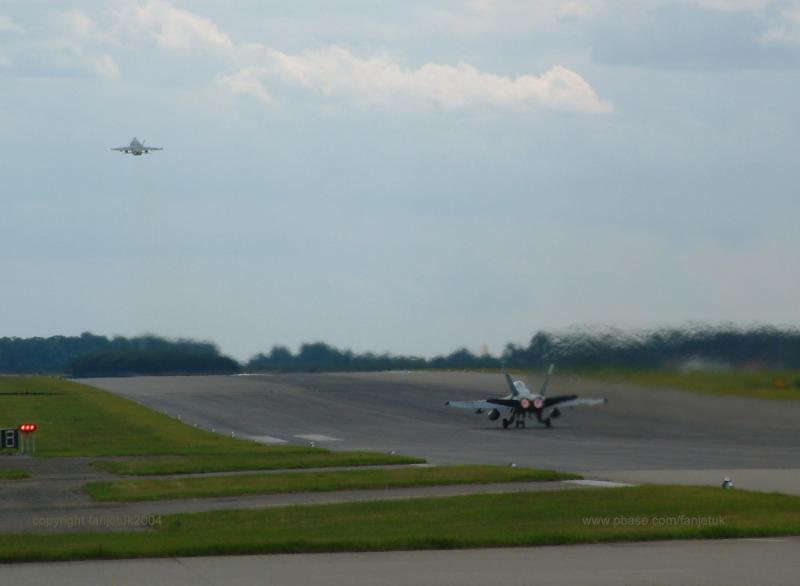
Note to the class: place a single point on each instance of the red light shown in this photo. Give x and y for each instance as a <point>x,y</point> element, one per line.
<point>27,427</point>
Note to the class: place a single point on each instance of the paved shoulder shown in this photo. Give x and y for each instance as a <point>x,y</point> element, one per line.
<point>727,562</point>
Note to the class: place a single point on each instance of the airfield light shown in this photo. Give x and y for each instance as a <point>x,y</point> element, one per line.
<point>27,427</point>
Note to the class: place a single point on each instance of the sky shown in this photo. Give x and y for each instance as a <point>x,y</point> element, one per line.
<point>409,177</point>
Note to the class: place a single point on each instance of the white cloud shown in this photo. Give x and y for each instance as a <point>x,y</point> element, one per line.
<point>472,19</point>
<point>78,24</point>
<point>717,5</point>
<point>246,81</point>
<point>91,42</point>
<point>476,18</point>
<point>174,28</point>
<point>375,79</point>
<point>59,42</point>
<point>578,9</point>
<point>380,80</point>
<point>78,43</point>
<point>727,5</point>
<point>787,30</point>
<point>84,41</point>
<point>101,65</point>
<point>66,56</point>
<point>9,26</point>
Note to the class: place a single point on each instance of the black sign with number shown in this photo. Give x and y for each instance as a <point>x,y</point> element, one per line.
<point>9,438</point>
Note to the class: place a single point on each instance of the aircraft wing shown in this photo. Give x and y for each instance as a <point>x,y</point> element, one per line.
<point>485,404</point>
<point>470,404</point>
<point>122,149</point>
<point>578,402</point>
<point>149,148</point>
<point>560,400</point>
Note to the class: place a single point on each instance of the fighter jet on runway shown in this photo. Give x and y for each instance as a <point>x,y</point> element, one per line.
<point>136,148</point>
<point>522,404</point>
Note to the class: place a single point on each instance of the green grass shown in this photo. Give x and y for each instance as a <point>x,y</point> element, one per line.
<point>273,458</point>
<point>14,474</point>
<point>216,486</point>
<point>523,519</point>
<point>77,420</point>
<point>758,385</point>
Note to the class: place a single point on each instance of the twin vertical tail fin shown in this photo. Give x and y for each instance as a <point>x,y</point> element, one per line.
<point>543,390</point>
<point>512,388</point>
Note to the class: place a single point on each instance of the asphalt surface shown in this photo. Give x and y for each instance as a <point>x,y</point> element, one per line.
<point>639,428</point>
<point>730,563</point>
<point>641,435</point>
<point>35,506</point>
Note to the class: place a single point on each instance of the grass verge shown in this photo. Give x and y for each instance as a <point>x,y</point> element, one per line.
<point>14,474</point>
<point>273,458</point>
<point>580,516</point>
<point>216,486</point>
<point>77,420</point>
<point>776,385</point>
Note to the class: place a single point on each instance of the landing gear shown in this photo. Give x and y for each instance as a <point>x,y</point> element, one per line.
<point>516,418</point>
<point>546,422</point>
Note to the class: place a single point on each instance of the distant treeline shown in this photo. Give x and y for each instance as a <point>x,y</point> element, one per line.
<point>91,355</point>
<point>702,347</point>
<point>699,347</point>
<point>322,357</point>
<point>162,361</point>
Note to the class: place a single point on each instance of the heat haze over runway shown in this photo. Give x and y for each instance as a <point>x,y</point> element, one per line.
<point>639,429</point>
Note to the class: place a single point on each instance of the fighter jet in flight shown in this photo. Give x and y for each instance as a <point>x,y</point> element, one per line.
<point>136,148</point>
<point>522,404</point>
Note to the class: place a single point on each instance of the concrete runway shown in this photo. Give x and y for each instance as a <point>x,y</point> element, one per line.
<point>742,562</point>
<point>642,435</point>
<point>673,434</point>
